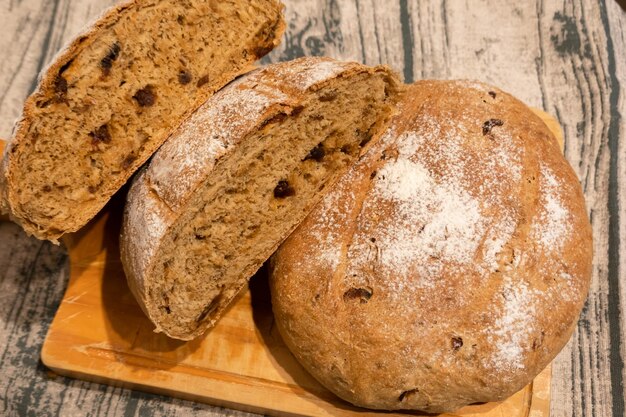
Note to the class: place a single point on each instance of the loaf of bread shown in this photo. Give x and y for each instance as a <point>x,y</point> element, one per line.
<point>237,177</point>
<point>448,266</point>
<point>113,96</point>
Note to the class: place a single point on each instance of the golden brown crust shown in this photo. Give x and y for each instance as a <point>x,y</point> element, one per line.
<point>46,87</point>
<point>448,267</point>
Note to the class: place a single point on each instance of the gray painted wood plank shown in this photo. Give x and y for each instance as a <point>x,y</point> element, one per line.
<point>568,57</point>
<point>614,20</point>
<point>576,85</point>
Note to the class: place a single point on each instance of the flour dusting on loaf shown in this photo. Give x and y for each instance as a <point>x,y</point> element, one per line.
<point>436,218</point>
<point>310,74</point>
<point>209,133</point>
<point>513,326</point>
<point>553,225</point>
<point>448,266</point>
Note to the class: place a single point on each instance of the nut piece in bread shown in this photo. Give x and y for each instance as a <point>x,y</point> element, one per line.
<point>237,177</point>
<point>448,266</point>
<point>111,98</point>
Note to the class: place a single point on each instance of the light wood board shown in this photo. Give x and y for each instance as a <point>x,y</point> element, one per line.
<point>100,333</point>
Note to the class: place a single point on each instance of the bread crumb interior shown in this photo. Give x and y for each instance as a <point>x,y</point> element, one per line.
<point>116,101</point>
<point>258,196</point>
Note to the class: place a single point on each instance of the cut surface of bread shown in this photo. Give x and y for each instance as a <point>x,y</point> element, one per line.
<point>238,177</point>
<point>448,266</point>
<point>114,95</point>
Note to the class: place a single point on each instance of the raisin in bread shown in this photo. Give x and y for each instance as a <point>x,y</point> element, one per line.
<point>448,266</point>
<point>237,177</point>
<point>113,96</point>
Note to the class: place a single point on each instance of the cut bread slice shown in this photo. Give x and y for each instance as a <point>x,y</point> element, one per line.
<point>116,93</point>
<point>233,181</point>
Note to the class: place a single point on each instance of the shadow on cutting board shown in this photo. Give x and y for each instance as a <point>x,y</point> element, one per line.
<point>133,330</point>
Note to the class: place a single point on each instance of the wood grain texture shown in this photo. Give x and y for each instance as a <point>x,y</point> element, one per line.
<point>614,20</point>
<point>568,57</point>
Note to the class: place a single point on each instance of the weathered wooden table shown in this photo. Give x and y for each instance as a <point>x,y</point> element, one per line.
<point>567,57</point>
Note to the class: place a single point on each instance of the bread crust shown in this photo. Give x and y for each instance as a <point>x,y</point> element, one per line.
<point>46,84</point>
<point>448,267</point>
<point>160,193</point>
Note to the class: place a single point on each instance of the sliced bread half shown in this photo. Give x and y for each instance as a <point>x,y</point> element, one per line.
<point>111,98</point>
<point>234,180</point>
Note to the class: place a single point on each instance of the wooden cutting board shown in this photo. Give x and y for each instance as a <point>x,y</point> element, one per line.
<point>99,333</point>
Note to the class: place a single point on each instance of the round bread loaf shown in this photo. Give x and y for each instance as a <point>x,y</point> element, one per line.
<point>237,177</point>
<point>448,266</point>
<point>112,97</point>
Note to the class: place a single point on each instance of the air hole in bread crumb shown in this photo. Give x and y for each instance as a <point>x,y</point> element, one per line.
<point>65,66</point>
<point>60,85</point>
<point>166,306</point>
<point>492,94</point>
<point>210,308</point>
<point>362,294</point>
<point>406,395</point>
<point>347,149</point>
<point>329,96</point>
<point>280,117</point>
